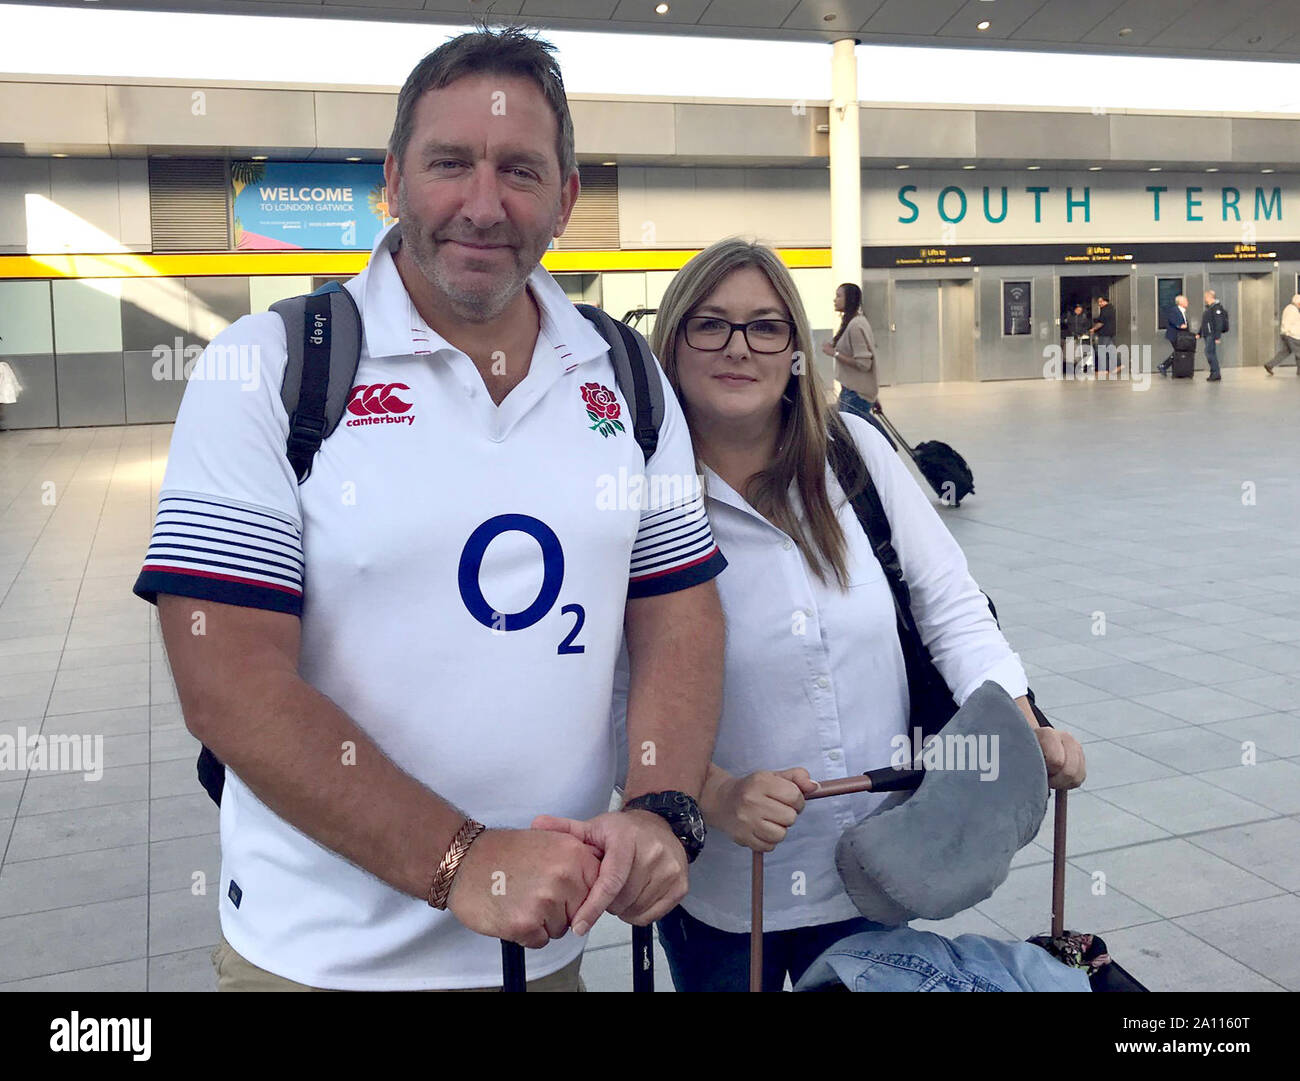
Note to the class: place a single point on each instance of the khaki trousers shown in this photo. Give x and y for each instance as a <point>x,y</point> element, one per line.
<point>237,973</point>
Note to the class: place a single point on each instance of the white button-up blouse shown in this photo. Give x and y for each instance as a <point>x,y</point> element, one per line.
<point>814,677</point>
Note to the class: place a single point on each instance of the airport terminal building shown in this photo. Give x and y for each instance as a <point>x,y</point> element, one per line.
<point>139,218</point>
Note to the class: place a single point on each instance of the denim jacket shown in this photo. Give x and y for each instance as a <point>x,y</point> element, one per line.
<point>905,959</point>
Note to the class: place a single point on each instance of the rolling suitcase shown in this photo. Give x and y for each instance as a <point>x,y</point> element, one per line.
<point>941,466</point>
<point>1184,358</point>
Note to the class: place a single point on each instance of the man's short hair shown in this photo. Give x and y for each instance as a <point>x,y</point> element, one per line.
<point>509,51</point>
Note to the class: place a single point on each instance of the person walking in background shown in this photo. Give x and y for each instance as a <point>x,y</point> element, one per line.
<point>1290,351</point>
<point>1103,331</point>
<point>1214,324</point>
<point>1176,321</point>
<point>854,351</point>
<point>1077,326</point>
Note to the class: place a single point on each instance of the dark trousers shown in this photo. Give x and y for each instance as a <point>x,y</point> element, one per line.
<point>1104,352</point>
<point>702,958</point>
<point>1212,355</point>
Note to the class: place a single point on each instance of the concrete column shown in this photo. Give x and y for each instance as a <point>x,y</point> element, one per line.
<point>846,165</point>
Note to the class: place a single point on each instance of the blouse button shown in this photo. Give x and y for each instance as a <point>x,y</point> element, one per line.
<point>787,544</point>
<point>834,756</point>
<point>823,682</point>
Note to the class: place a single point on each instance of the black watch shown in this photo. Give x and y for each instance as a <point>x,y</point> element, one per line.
<point>680,812</point>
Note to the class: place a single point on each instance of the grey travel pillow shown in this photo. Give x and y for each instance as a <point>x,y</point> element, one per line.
<point>938,850</point>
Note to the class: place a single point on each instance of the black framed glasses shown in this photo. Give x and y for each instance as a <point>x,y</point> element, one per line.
<point>709,333</point>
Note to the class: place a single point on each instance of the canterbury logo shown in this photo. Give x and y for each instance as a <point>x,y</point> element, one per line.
<point>377,398</point>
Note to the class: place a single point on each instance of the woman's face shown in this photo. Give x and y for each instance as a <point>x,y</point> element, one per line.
<point>839,299</point>
<point>734,383</point>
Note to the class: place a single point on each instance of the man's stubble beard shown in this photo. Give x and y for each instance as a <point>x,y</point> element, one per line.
<point>478,305</point>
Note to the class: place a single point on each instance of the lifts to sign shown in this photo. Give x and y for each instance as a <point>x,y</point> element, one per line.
<point>1191,204</point>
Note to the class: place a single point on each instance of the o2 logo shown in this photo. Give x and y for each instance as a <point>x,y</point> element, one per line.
<point>471,566</point>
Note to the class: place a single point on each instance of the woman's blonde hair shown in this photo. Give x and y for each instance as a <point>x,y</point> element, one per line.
<point>811,431</point>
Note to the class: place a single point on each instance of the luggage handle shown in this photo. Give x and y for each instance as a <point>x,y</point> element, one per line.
<point>514,967</point>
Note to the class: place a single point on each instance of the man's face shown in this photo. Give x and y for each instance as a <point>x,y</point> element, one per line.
<point>1209,299</point>
<point>479,191</point>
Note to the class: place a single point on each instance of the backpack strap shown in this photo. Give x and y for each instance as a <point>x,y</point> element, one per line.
<point>637,373</point>
<point>926,688</point>
<point>323,336</point>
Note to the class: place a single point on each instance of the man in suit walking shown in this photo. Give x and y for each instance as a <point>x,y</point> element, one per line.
<point>1176,321</point>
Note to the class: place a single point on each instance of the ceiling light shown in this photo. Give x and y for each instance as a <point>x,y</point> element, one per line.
<point>1033,168</point>
<point>259,157</point>
<point>1126,31</point>
<point>1094,168</point>
<point>354,159</point>
<point>983,25</point>
<point>1268,170</point>
<point>968,166</point>
<point>1155,169</point>
<point>902,166</point>
<point>1212,169</point>
<point>609,163</point>
<point>829,17</point>
<point>58,155</point>
<point>661,9</point>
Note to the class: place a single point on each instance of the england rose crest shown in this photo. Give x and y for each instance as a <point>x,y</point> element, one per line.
<point>603,409</point>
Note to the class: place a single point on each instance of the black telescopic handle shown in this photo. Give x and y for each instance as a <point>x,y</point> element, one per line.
<point>513,966</point>
<point>643,958</point>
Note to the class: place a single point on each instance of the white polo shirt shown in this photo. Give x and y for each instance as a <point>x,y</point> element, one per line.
<point>814,677</point>
<point>461,573</point>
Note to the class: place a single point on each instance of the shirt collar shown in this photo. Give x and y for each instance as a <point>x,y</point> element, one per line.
<point>394,328</point>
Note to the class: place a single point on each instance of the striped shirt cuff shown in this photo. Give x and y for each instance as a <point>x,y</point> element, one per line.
<point>215,549</point>
<point>674,550</point>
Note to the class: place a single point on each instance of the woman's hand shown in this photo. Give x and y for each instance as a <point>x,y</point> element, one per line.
<point>1066,765</point>
<point>755,811</point>
<point>828,348</point>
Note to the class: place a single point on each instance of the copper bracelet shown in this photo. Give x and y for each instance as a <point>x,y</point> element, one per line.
<point>440,888</point>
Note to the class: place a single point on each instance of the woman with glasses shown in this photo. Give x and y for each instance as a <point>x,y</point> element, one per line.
<point>853,348</point>
<point>814,685</point>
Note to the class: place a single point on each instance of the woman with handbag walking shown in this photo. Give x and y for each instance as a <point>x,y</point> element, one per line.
<point>814,673</point>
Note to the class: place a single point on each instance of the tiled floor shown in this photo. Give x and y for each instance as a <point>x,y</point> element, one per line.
<point>1142,550</point>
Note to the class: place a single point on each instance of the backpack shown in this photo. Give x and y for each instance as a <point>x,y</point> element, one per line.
<point>323,335</point>
<point>1223,318</point>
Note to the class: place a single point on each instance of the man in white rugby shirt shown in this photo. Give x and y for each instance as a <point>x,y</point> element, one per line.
<point>419,641</point>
